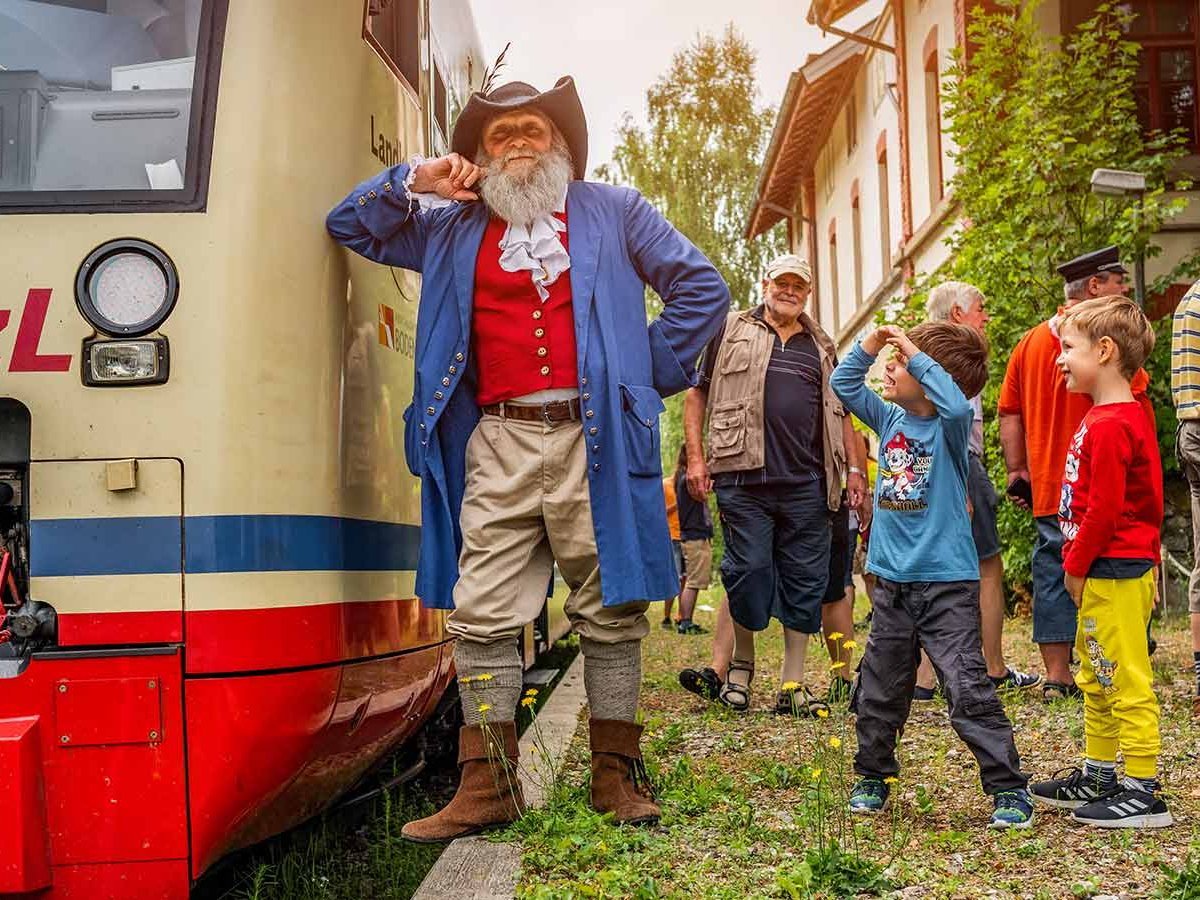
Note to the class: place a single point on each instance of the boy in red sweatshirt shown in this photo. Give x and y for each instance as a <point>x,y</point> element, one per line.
<point>1110,514</point>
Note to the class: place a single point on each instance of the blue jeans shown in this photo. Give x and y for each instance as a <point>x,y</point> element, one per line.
<point>776,549</point>
<point>1054,615</point>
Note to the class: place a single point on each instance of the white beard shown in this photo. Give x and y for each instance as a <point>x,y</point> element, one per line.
<point>521,199</point>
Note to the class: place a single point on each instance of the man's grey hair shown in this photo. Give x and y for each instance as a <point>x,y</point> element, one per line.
<point>949,294</point>
<point>1077,289</point>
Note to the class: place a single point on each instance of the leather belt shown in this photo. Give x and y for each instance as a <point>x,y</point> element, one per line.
<point>555,411</point>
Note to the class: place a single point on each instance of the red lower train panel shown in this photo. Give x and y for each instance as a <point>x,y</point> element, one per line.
<point>104,774</point>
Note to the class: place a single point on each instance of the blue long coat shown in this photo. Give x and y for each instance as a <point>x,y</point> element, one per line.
<point>619,243</point>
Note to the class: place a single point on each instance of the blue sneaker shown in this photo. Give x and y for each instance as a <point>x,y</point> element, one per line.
<point>869,795</point>
<point>1014,809</point>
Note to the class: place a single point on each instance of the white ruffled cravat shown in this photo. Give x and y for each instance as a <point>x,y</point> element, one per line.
<point>536,248</point>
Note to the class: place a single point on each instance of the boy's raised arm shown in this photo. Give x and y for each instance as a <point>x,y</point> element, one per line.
<point>849,382</point>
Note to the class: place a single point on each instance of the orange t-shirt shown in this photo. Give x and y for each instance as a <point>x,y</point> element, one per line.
<point>673,505</point>
<point>1034,389</point>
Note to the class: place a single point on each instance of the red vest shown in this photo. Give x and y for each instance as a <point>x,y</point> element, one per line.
<point>520,344</point>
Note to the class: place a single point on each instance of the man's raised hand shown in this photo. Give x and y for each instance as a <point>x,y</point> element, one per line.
<point>451,177</point>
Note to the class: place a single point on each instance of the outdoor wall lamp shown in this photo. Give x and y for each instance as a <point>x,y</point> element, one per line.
<point>1123,183</point>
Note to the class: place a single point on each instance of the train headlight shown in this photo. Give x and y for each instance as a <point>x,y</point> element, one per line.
<point>126,288</point>
<point>121,363</point>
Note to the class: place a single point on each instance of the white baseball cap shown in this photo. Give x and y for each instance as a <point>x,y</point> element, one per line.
<point>789,264</point>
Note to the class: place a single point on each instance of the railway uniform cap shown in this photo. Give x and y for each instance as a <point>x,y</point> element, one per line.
<point>1098,262</point>
<point>789,264</point>
<point>561,104</point>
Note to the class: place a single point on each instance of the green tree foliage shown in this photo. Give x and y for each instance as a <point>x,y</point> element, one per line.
<point>698,161</point>
<point>1031,117</point>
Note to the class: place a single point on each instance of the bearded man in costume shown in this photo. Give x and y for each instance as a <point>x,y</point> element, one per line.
<point>534,423</point>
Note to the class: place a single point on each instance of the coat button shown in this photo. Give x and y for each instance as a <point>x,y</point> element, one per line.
<point>539,332</point>
<point>592,431</point>
<point>587,396</point>
<point>453,369</point>
<point>438,395</point>
<point>537,313</point>
<point>589,414</point>
<point>422,425</point>
<point>430,410</point>
<point>445,382</point>
<point>545,370</point>
<point>585,382</point>
<point>542,351</point>
<point>387,188</point>
<point>595,448</point>
<point>595,467</point>
<point>372,194</point>
<point>458,357</point>
<point>362,201</point>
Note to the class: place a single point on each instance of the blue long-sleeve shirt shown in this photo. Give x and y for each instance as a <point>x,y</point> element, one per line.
<point>921,530</point>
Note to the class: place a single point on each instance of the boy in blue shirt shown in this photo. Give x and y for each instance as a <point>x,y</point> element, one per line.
<point>923,554</point>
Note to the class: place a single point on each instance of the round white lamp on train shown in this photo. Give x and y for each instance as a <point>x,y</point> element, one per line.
<point>126,288</point>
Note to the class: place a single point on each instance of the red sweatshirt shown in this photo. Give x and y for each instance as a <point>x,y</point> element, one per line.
<point>1112,492</point>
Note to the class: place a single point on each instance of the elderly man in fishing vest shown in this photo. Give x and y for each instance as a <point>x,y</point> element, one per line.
<point>534,423</point>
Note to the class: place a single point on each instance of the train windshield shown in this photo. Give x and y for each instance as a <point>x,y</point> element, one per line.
<point>96,96</point>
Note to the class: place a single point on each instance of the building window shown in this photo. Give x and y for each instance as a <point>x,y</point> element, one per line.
<point>933,125</point>
<point>833,278</point>
<point>885,218</point>
<point>856,248</point>
<point>395,28</point>
<point>1166,85</point>
<point>852,122</point>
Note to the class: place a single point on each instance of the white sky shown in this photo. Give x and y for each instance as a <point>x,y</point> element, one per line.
<point>616,49</point>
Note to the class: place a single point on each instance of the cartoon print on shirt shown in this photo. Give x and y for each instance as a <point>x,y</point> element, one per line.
<point>903,481</point>
<point>1066,524</point>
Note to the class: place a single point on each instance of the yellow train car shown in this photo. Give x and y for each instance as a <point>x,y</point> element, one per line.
<point>207,530</point>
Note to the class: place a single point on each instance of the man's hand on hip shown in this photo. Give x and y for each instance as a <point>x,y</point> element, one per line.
<point>856,489</point>
<point>451,177</point>
<point>698,481</point>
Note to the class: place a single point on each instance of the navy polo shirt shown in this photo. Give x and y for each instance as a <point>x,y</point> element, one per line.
<point>794,438</point>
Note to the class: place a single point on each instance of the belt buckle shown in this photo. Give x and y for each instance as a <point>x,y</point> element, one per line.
<point>546,410</point>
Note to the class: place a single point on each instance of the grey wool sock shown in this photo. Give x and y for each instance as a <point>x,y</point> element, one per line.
<point>489,676</point>
<point>612,676</point>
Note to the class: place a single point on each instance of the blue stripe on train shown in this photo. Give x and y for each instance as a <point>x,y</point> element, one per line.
<point>150,545</point>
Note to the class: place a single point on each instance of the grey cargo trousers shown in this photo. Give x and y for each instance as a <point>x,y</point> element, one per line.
<point>942,618</point>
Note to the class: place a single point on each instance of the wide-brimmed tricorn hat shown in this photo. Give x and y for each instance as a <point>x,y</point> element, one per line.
<point>560,103</point>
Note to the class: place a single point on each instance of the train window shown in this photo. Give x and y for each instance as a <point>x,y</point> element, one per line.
<point>96,97</point>
<point>441,108</point>
<point>395,26</point>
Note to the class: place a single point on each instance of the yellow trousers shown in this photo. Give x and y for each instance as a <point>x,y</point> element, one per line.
<point>1120,711</point>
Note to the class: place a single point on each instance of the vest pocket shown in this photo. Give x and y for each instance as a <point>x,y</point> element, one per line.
<point>641,406</point>
<point>736,357</point>
<point>727,429</point>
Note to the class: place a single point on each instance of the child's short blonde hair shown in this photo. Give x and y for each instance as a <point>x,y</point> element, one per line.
<point>1120,320</point>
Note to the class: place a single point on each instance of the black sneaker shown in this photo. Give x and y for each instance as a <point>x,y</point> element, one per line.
<point>1126,807</point>
<point>687,626</point>
<point>1069,791</point>
<point>868,796</point>
<point>923,694</point>
<point>1016,680</point>
<point>666,624</point>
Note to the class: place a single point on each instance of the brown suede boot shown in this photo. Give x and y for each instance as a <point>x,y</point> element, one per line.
<point>620,784</point>
<point>489,791</point>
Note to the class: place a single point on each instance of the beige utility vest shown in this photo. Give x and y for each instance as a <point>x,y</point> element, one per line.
<point>736,435</point>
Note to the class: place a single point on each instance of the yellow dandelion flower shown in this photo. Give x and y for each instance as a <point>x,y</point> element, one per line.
<point>850,645</point>
<point>891,779</point>
<point>823,713</point>
<point>835,742</point>
<point>790,686</point>
<point>484,707</point>
<point>836,636</point>
<point>528,701</point>
<point>816,774</point>
<point>532,692</point>
<point>838,665</point>
<point>486,676</point>
<point>466,679</point>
